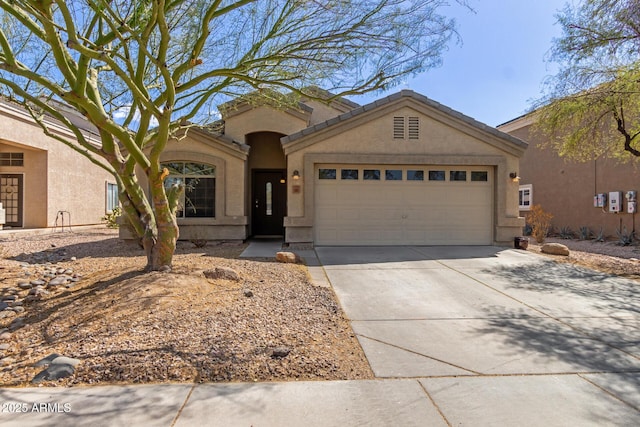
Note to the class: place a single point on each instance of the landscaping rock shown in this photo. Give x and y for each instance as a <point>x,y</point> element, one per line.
<point>223,273</point>
<point>555,249</point>
<point>288,257</point>
<point>280,352</point>
<point>248,293</point>
<point>54,372</point>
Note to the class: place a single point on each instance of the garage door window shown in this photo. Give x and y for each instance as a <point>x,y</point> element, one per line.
<point>457,175</point>
<point>436,175</point>
<point>327,174</point>
<point>349,174</point>
<point>415,175</point>
<point>393,175</point>
<point>479,176</point>
<point>371,174</point>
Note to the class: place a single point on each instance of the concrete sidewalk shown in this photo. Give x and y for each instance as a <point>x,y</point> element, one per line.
<point>479,336</point>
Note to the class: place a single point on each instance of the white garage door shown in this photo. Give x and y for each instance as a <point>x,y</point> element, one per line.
<point>403,205</point>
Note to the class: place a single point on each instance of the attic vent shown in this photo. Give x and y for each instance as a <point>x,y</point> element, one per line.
<point>414,128</point>
<point>398,128</point>
<point>406,127</point>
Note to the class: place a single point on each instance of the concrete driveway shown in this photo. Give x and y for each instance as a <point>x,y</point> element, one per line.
<point>499,335</point>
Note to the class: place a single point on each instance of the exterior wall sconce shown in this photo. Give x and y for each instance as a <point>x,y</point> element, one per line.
<point>296,175</point>
<point>514,177</point>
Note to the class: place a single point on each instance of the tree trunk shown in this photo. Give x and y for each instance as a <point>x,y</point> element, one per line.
<point>159,247</point>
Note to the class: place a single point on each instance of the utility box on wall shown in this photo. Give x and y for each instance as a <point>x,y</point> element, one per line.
<point>600,200</point>
<point>615,201</point>
<point>632,202</point>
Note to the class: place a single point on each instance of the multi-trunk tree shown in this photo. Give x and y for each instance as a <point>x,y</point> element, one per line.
<point>143,71</point>
<point>592,105</point>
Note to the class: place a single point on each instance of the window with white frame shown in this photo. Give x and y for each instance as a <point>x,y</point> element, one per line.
<point>525,197</point>
<point>112,197</point>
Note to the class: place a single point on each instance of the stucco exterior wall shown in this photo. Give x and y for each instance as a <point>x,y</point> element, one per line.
<point>263,119</point>
<point>55,176</point>
<point>565,188</point>
<point>368,139</point>
<point>230,222</point>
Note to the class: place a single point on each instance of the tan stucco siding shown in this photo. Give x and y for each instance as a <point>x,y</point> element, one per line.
<point>262,119</point>
<point>56,178</point>
<point>369,139</point>
<point>565,187</point>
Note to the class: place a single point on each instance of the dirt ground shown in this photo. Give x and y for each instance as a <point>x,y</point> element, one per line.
<point>127,326</point>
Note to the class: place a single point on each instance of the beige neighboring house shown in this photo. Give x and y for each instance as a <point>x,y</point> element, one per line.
<point>401,170</point>
<point>567,188</point>
<point>42,181</point>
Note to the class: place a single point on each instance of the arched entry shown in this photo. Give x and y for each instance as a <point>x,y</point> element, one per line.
<point>267,171</point>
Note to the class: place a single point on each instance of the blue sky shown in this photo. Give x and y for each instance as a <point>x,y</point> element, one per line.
<point>500,66</point>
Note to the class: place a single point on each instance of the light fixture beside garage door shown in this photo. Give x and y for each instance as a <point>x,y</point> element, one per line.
<point>514,177</point>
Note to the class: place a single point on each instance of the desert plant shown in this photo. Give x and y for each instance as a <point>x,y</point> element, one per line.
<point>112,217</point>
<point>199,243</point>
<point>540,222</point>
<point>625,238</point>
<point>600,236</point>
<point>526,231</point>
<point>566,233</point>
<point>585,233</point>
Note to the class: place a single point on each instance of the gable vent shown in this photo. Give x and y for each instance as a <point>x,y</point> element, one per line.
<point>414,128</point>
<point>398,128</point>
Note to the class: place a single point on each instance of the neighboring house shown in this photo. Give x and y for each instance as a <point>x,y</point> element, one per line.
<point>401,170</point>
<point>566,188</point>
<point>42,181</point>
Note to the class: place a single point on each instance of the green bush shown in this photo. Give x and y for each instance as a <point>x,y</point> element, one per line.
<point>112,218</point>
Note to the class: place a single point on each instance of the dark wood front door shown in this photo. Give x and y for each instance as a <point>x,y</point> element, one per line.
<point>269,203</point>
<point>11,198</point>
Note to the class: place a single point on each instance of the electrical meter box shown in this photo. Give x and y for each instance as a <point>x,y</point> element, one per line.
<point>615,201</point>
<point>632,202</point>
<point>600,200</point>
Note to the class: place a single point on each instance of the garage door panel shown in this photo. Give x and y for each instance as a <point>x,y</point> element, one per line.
<point>351,212</point>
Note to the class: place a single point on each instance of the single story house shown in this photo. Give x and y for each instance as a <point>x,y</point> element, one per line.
<point>569,189</point>
<point>42,181</point>
<point>401,170</point>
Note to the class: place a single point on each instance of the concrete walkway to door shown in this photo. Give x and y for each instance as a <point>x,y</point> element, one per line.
<point>495,336</point>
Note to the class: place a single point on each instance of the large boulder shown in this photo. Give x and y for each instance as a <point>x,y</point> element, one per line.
<point>288,257</point>
<point>223,273</point>
<point>555,249</point>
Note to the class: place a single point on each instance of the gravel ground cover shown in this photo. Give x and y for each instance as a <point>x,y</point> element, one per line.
<point>127,326</point>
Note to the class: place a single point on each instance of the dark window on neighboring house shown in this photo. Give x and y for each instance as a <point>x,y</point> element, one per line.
<point>11,159</point>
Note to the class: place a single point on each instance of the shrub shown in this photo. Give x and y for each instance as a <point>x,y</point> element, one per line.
<point>566,233</point>
<point>540,222</point>
<point>112,218</point>
<point>585,233</point>
<point>625,238</point>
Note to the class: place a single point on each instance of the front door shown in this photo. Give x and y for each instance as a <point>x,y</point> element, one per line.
<point>269,202</point>
<point>11,198</point>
